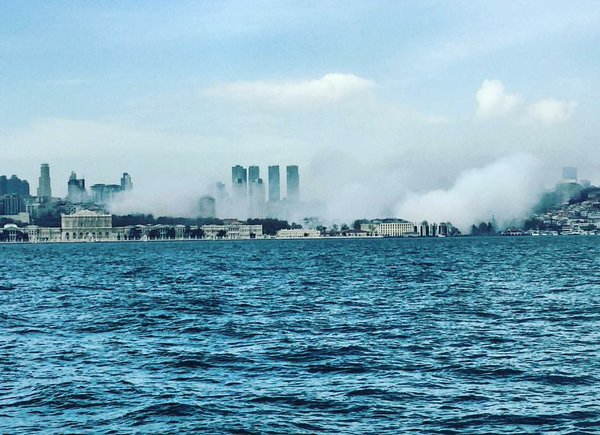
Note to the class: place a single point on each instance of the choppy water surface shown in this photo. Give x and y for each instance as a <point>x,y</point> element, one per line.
<point>475,335</point>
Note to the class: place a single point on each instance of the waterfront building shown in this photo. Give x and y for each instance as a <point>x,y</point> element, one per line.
<point>36,234</point>
<point>44,188</point>
<point>298,234</point>
<point>76,192</point>
<point>274,186</point>
<point>3,185</point>
<point>86,225</point>
<point>126,183</point>
<point>232,231</point>
<point>293,183</point>
<point>393,228</point>
<point>207,207</point>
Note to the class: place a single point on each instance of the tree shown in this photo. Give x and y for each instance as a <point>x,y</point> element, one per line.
<point>483,229</point>
<point>221,234</point>
<point>197,233</point>
<point>270,226</point>
<point>335,230</point>
<point>357,223</point>
<point>135,233</point>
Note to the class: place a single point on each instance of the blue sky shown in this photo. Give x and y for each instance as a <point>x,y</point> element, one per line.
<point>409,88</point>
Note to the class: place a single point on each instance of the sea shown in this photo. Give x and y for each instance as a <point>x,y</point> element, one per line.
<point>378,336</point>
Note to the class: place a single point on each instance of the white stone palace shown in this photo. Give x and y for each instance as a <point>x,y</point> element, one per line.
<point>86,225</point>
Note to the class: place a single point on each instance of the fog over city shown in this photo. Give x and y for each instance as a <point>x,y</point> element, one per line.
<point>422,111</point>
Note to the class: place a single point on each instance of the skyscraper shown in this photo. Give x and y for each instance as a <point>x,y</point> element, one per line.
<point>257,199</point>
<point>3,184</point>
<point>239,183</point>
<point>253,174</point>
<point>44,188</point>
<point>76,189</point>
<point>274,189</point>
<point>126,183</point>
<point>293,183</point>
<point>207,207</point>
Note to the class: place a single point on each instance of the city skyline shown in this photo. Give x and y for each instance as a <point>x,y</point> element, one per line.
<point>411,95</point>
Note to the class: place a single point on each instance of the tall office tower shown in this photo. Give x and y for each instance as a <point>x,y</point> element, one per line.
<point>12,204</point>
<point>126,183</point>
<point>293,183</point>
<point>13,185</point>
<point>239,176</point>
<point>569,174</point>
<point>3,185</point>
<point>25,191</point>
<point>274,183</point>
<point>207,207</point>
<point>44,189</point>
<point>104,193</point>
<point>76,189</point>
<point>257,199</point>
<point>218,191</point>
<point>253,174</point>
<point>239,182</point>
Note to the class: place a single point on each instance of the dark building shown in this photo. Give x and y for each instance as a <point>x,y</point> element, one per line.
<point>11,204</point>
<point>274,189</point>
<point>25,188</point>
<point>13,185</point>
<point>44,190</point>
<point>293,183</point>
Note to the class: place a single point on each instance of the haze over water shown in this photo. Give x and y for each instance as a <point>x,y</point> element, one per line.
<point>473,335</point>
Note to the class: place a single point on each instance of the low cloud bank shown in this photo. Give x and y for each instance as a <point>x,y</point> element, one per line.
<point>505,190</point>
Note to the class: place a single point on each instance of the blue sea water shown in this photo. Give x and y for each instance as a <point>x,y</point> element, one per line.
<point>471,335</point>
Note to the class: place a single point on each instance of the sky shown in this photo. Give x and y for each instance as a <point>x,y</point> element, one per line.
<point>382,104</point>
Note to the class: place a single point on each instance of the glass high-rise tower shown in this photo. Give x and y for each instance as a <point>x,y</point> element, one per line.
<point>44,188</point>
<point>293,183</point>
<point>239,182</point>
<point>274,189</point>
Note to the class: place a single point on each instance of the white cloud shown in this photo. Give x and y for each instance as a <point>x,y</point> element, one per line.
<point>550,110</point>
<point>493,101</point>
<point>330,88</point>
<point>504,190</point>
